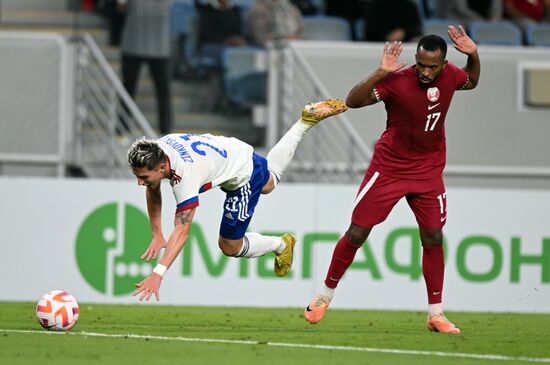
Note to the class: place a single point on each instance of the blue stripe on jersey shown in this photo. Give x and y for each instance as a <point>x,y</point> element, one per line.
<point>187,204</point>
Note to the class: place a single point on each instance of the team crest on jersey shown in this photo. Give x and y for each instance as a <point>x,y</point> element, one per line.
<point>432,94</point>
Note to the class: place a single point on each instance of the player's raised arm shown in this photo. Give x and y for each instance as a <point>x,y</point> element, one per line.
<point>464,44</point>
<point>182,225</point>
<point>362,94</point>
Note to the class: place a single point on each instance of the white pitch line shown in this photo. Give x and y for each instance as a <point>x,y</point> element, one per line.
<point>296,345</point>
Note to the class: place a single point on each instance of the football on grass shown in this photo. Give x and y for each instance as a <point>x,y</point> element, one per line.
<point>57,310</point>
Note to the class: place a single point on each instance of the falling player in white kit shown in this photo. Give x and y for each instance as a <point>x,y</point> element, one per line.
<point>195,163</point>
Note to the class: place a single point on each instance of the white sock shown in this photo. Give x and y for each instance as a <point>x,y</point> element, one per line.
<point>281,154</point>
<point>435,309</point>
<point>326,291</point>
<point>255,245</point>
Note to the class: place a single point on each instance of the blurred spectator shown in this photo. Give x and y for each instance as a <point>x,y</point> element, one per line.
<point>351,10</point>
<point>115,19</point>
<point>525,12</point>
<point>427,8</point>
<point>306,7</point>
<point>146,39</point>
<point>467,11</point>
<point>213,40</point>
<point>228,29</point>
<point>272,20</point>
<point>88,5</point>
<point>106,8</point>
<point>392,20</point>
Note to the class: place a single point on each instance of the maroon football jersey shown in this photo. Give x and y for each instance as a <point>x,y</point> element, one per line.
<point>413,144</point>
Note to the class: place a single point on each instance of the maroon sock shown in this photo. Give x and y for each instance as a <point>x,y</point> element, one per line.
<point>342,257</point>
<point>433,267</point>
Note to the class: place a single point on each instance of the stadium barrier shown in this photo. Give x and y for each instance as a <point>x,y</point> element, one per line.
<point>497,248</point>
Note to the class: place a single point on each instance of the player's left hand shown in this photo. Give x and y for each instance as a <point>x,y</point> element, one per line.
<point>148,287</point>
<point>461,41</point>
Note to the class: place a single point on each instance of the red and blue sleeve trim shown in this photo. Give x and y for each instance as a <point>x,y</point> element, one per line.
<point>187,204</point>
<point>205,187</point>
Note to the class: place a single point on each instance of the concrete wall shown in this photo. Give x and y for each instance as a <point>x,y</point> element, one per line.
<point>35,103</point>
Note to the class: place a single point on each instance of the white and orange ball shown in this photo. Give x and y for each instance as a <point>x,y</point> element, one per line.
<point>57,310</point>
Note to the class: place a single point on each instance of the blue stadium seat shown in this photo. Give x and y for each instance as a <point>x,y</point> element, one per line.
<point>422,11</point>
<point>187,54</point>
<point>179,12</point>
<point>243,3</point>
<point>503,33</point>
<point>359,28</point>
<point>191,44</point>
<point>538,35</point>
<point>438,27</point>
<point>244,84</point>
<point>326,28</point>
<point>186,25</point>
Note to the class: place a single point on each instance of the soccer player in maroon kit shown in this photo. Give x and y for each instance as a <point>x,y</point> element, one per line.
<point>408,159</point>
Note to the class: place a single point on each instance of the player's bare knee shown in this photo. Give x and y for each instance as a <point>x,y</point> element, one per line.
<point>268,188</point>
<point>229,251</point>
<point>228,247</point>
<point>269,185</point>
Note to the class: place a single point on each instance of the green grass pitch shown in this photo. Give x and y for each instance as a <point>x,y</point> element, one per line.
<point>156,334</point>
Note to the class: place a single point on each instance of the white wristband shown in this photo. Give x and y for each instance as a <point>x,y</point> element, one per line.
<point>160,269</point>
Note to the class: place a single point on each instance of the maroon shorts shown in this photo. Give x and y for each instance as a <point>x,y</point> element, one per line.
<point>378,194</point>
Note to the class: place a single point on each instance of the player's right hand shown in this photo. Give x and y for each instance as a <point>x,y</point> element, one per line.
<point>148,287</point>
<point>154,248</point>
<point>390,57</point>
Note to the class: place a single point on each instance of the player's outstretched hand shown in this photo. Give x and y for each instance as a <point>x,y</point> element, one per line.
<point>461,41</point>
<point>390,57</point>
<point>148,287</point>
<point>154,248</point>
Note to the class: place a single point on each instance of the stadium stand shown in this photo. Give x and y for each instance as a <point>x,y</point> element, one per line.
<point>328,28</point>
<point>538,35</point>
<point>244,81</point>
<point>192,99</point>
<point>180,12</point>
<point>185,29</point>
<point>438,26</point>
<point>424,8</point>
<point>246,74</point>
<point>359,29</point>
<point>503,33</point>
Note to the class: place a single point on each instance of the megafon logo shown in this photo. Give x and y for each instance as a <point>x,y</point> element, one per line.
<point>109,244</point>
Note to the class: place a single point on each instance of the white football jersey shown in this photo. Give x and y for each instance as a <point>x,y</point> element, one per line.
<point>199,162</point>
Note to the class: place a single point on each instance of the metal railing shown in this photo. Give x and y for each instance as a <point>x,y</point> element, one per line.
<point>107,120</point>
<point>332,152</point>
